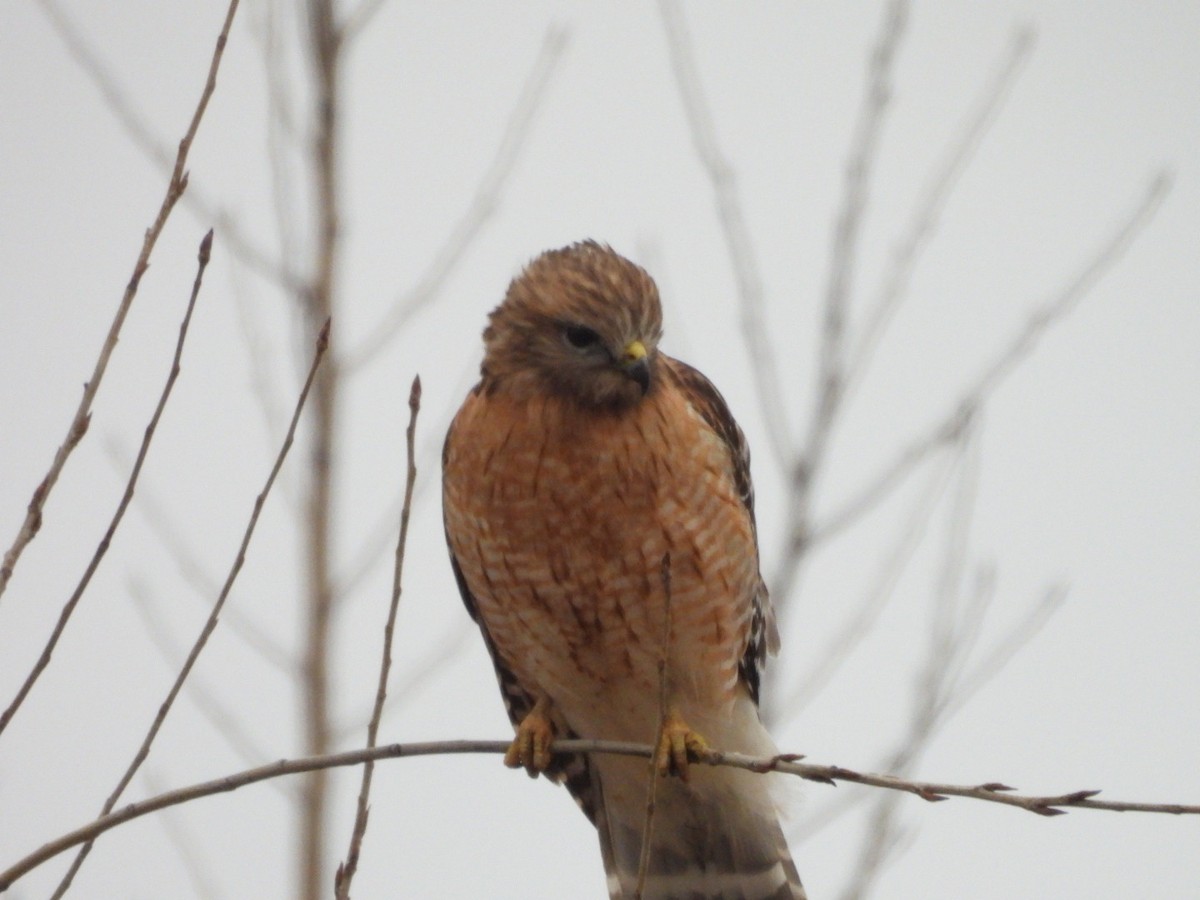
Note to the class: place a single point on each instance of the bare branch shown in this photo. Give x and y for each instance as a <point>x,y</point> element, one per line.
<point>663,706</point>
<point>223,722</point>
<point>858,624</point>
<point>420,671</point>
<point>118,103</point>
<point>82,417</point>
<point>884,482</point>
<point>954,624</point>
<point>929,209</point>
<point>955,699</point>
<point>738,242</point>
<point>809,462</point>
<point>1020,346</point>
<point>969,683</point>
<point>345,872</point>
<point>856,191</point>
<point>483,205</point>
<point>211,624</point>
<point>184,843</point>
<point>130,485</point>
<point>324,51</point>
<point>360,17</point>
<point>992,792</point>
<point>202,584</point>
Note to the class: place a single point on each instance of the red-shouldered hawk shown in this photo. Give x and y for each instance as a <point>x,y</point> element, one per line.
<point>582,459</point>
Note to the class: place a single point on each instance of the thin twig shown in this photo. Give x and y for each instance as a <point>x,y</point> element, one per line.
<point>926,216</point>
<point>371,547</point>
<point>211,624</point>
<point>360,17</point>
<point>738,243</point>
<point>858,624</point>
<point>118,102</point>
<point>880,486</point>
<point>131,484</point>
<point>483,205</point>
<point>969,685</point>
<point>432,663</point>
<point>856,190</point>
<point>954,623</point>
<point>789,764</point>
<point>187,847</point>
<point>223,722</point>
<point>345,872</point>
<point>82,418</point>
<point>1020,346</point>
<point>202,585</point>
<point>663,701</point>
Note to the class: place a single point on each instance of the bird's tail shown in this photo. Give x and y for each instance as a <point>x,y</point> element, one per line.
<point>716,837</point>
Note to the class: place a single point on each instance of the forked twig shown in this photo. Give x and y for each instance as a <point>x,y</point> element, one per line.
<point>992,792</point>
<point>738,242</point>
<point>808,461</point>
<point>860,618</point>
<point>907,250</point>
<point>856,191</point>
<point>82,417</point>
<point>69,607</point>
<point>85,55</point>
<point>345,871</point>
<point>1020,346</point>
<point>211,624</point>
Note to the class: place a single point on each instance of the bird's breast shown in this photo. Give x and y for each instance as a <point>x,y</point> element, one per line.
<point>561,520</point>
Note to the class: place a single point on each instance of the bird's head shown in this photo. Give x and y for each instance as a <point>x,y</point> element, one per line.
<point>582,322</point>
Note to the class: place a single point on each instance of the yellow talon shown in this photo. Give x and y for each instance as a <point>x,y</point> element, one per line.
<point>678,747</point>
<point>531,747</point>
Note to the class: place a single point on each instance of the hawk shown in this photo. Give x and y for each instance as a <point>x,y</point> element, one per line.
<point>600,518</point>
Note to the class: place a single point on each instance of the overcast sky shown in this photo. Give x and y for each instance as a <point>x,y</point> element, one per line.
<point>1081,474</point>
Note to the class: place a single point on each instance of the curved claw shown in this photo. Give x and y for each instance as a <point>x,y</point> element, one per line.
<point>678,746</point>
<point>530,749</point>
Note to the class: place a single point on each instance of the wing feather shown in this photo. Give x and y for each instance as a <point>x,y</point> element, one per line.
<point>710,405</point>
<point>571,770</point>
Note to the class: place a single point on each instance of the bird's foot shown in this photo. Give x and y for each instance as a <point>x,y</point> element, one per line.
<point>678,747</point>
<point>531,747</point>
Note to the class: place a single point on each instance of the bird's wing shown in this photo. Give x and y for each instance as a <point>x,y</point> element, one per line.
<point>703,396</point>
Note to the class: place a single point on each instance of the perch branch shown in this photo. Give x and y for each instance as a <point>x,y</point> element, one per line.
<point>1020,346</point>
<point>786,763</point>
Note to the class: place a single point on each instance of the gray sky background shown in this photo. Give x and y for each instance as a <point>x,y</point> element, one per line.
<point>1084,462</point>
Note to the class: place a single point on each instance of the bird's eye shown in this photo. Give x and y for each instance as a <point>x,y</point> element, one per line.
<point>578,336</point>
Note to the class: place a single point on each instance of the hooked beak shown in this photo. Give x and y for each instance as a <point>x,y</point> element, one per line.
<point>636,364</point>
